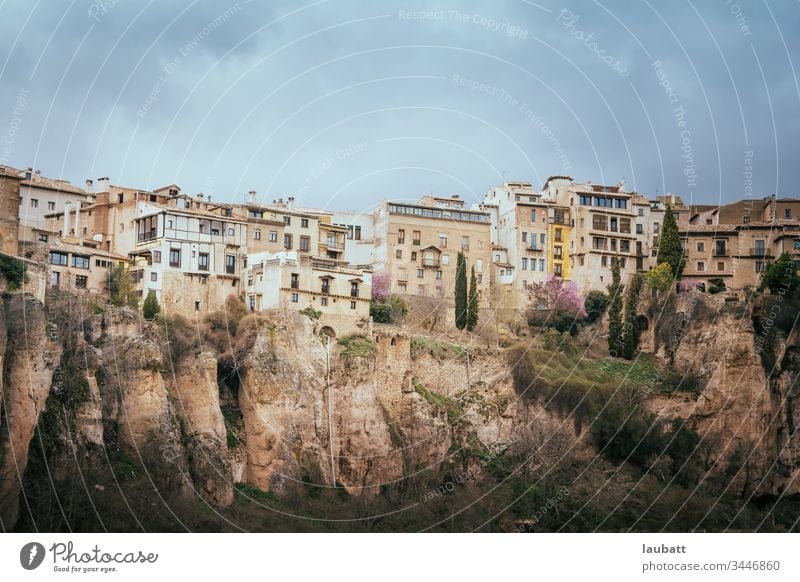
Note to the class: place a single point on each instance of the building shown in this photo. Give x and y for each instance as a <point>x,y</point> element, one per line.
<point>293,280</point>
<point>81,268</point>
<point>40,197</point>
<point>9,210</point>
<point>189,254</point>
<point>417,244</point>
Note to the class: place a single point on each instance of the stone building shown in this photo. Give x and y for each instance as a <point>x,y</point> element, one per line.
<point>292,280</point>
<point>81,268</point>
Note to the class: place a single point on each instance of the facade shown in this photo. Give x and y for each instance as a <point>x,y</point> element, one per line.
<point>292,280</point>
<point>418,245</point>
<point>40,197</point>
<point>80,268</point>
<point>191,258</point>
<point>9,210</point>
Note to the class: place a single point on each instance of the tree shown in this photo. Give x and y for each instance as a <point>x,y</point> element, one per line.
<point>670,250</point>
<point>556,303</point>
<point>381,286</point>
<point>150,308</point>
<point>596,304</point>
<point>615,291</point>
<point>472,304</point>
<point>462,301</point>
<point>630,331</point>
<point>780,277</point>
<point>660,278</point>
<point>121,289</point>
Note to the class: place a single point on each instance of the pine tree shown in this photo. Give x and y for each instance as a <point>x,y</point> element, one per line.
<point>150,308</point>
<point>670,250</point>
<point>630,332</point>
<point>462,302</point>
<point>472,304</point>
<point>615,291</point>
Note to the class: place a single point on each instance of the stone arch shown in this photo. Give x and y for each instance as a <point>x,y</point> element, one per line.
<point>642,323</point>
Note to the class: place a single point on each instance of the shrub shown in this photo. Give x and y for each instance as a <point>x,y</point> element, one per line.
<point>311,313</point>
<point>391,310</point>
<point>437,349</point>
<point>121,288</point>
<point>596,304</point>
<point>660,277</point>
<point>13,270</point>
<point>556,303</point>
<point>150,308</point>
<point>357,346</point>
<point>716,285</point>
<point>223,324</point>
<point>781,276</point>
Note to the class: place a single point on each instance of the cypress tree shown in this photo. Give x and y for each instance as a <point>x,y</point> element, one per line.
<point>670,250</point>
<point>462,306</point>
<point>472,305</point>
<point>615,291</point>
<point>151,307</point>
<point>630,332</point>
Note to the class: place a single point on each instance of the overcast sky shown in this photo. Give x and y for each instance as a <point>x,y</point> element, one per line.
<point>344,103</point>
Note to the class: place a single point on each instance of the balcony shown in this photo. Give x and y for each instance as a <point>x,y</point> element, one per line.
<point>534,248</point>
<point>332,244</point>
<point>431,263</point>
<point>761,252</point>
<point>146,236</point>
<point>720,252</point>
<point>353,292</point>
<point>295,284</point>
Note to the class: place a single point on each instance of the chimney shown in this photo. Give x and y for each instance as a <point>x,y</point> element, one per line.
<point>77,219</point>
<point>66,219</point>
<point>290,201</point>
<point>89,184</point>
<point>252,197</point>
<point>103,184</point>
<point>28,173</point>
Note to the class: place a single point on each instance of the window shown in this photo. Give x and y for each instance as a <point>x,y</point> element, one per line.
<point>34,203</point>
<point>639,229</point>
<point>402,287</point>
<point>524,264</point>
<point>324,301</point>
<point>445,259</point>
<point>305,243</point>
<point>464,243</point>
<point>326,286</point>
<point>443,241</point>
<point>641,212</point>
<point>438,275</point>
<point>303,222</point>
<point>598,243</point>
<point>81,281</point>
<point>80,262</point>
<point>287,241</point>
<point>174,258</point>
<point>541,265</point>
<point>420,273</point>
<point>295,281</point>
<point>558,235</point>
<point>759,266</point>
<point>557,269</point>
<point>701,266</point>
<point>287,220</point>
<point>413,255</point>
<point>524,236</point>
<point>231,232</point>
<point>416,237</point>
<point>398,254</point>
<point>759,249</point>
<point>295,298</point>
<point>720,266</point>
<point>720,248</point>
<point>624,246</point>
<point>557,252</point>
<point>197,306</point>
<point>230,264</point>
<point>421,289</point>
<point>656,227</point>
<point>273,236</point>
<point>541,239</point>
<point>43,238</point>
<point>604,261</point>
<point>614,244</point>
<point>401,236</point>
<point>354,289</point>
<point>746,219</point>
<point>256,234</point>
<point>51,205</point>
<point>156,256</point>
<point>787,212</point>
<point>358,232</point>
<point>479,265</point>
<point>480,277</point>
<point>533,215</point>
<point>214,232</point>
<point>153,276</point>
<point>701,247</point>
<point>202,261</point>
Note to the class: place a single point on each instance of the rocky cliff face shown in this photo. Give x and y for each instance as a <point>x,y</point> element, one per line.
<point>363,415</point>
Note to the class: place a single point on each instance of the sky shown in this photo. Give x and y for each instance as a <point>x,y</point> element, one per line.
<point>343,103</point>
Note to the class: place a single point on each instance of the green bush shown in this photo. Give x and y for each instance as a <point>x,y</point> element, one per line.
<point>13,270</point>
<point>596,304</point>
<point>716,285</point>
<point>311,313</point>
<point>121,288</point>
<point>392,310</point>
<point>150,308</point>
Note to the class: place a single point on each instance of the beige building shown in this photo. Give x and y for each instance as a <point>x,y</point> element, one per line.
<point>81,268</point>
<point>418,245</point>
<point>292,280</point>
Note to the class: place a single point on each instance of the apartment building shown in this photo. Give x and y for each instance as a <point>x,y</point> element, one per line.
<point>418,244</point>
<point>606,222</point>
<point>9,210</point>
<point>293,280</point>
<point>359,247</point>
<point>191,257</point>
<point>41,196</point>
<point>737,253</point>
<point>532,235</point>
<point>81,268</point>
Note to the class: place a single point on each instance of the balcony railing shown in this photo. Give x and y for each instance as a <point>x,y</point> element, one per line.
<point>720,252</point>
<point>353,292</point>
<point>762,252</point>
<point>534,248</point>
<point>145,236</point>
<point>431,263</point>
<point>332,244</point>
<point>295,284</point>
